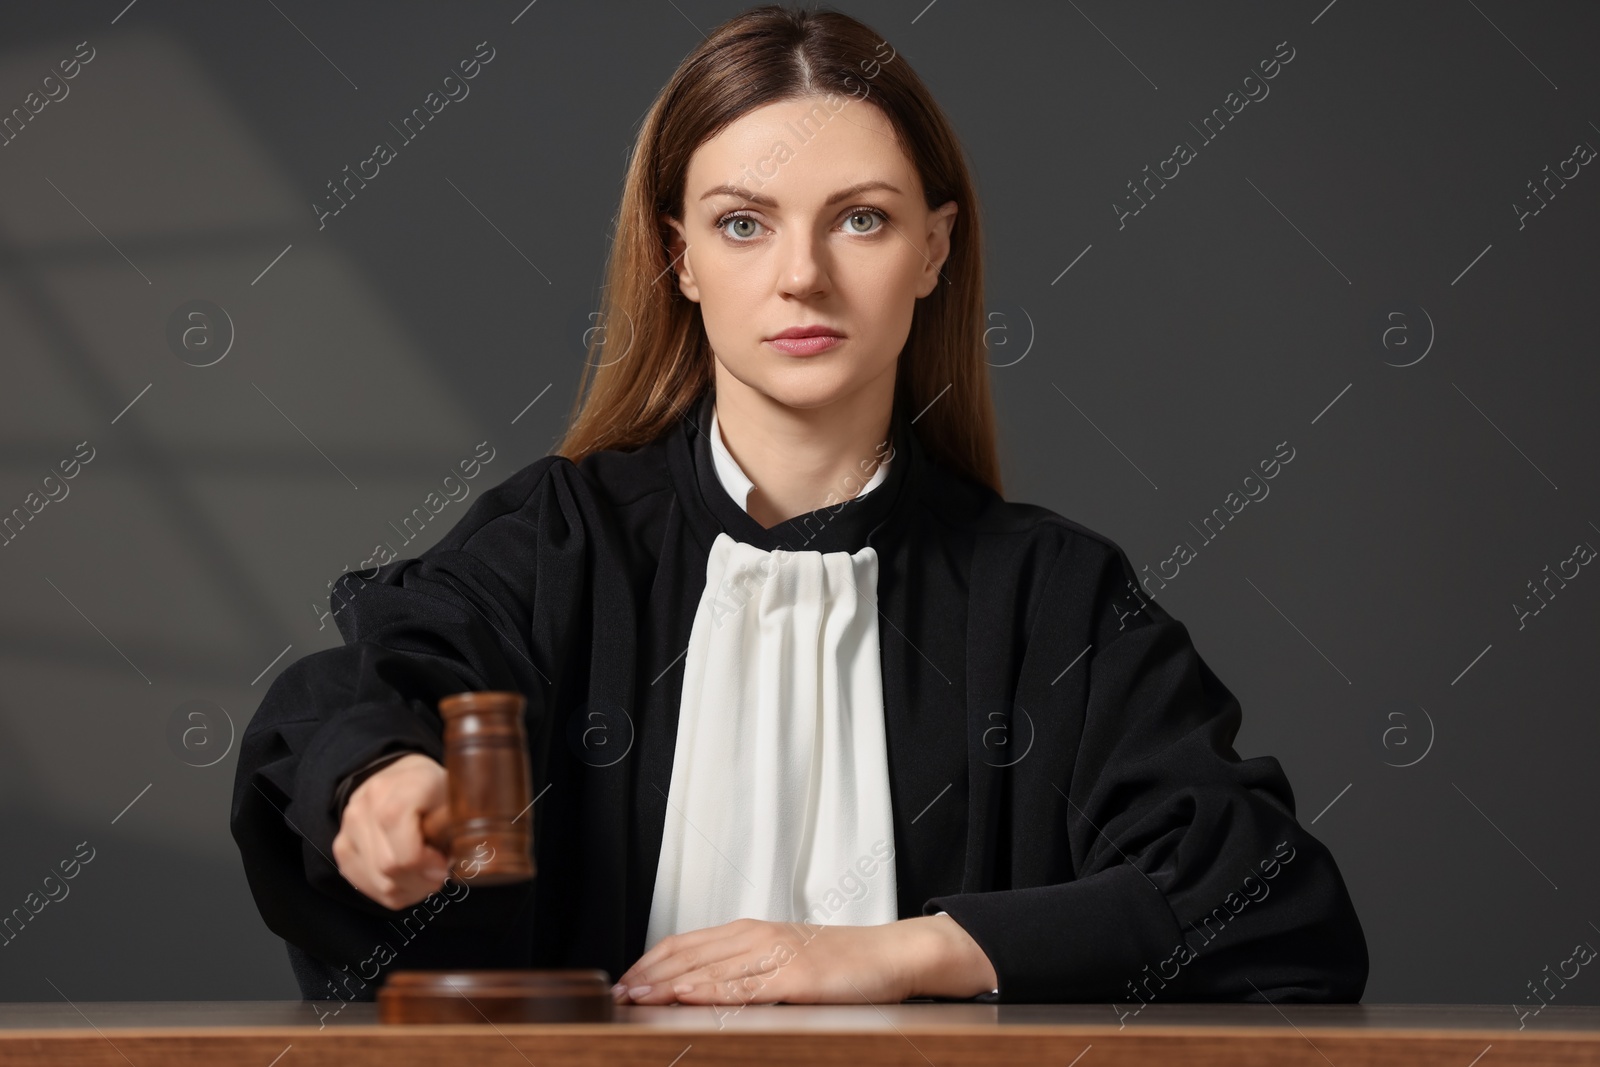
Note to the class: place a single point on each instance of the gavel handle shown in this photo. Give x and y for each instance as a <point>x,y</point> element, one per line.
<point>436,828</point>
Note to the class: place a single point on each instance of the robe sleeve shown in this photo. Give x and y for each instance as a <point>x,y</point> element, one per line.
<point>347,784</point>
<point>458,617</point>
<point>1192,879</point>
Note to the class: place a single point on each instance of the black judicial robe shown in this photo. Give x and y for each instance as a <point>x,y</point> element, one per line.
<point>1061,767</point>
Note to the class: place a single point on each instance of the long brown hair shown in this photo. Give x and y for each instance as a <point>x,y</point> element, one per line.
<point>649,359</point>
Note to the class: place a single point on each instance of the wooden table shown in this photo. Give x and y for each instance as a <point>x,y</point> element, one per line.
<point>289,1034</point>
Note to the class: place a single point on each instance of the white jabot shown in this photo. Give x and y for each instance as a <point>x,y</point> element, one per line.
<point>738,485</point>
<point>779,805</point>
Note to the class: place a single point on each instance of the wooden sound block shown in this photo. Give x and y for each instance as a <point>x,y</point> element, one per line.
<point>498,996</point>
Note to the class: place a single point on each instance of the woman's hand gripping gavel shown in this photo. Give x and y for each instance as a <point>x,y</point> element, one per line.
<point>407,825</point>
<point>381,847</point>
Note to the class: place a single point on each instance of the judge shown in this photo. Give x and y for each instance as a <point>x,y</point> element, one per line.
<point>814,713</point>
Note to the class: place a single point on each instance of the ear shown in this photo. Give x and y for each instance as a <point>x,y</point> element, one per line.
<point>938,238</point>
<point>677,249</point>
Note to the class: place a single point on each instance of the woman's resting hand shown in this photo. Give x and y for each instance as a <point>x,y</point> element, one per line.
<point>755,961</point>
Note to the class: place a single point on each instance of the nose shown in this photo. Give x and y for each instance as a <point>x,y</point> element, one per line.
<point>803,267</point>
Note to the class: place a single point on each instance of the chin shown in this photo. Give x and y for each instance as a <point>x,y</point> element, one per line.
<point>808,387</point>
<point>805,383</point>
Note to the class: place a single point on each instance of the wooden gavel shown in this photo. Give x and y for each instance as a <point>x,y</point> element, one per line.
<point>487,827</point>
<point>487,833</point>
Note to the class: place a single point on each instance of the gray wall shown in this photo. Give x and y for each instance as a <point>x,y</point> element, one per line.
<point>1343,268</point>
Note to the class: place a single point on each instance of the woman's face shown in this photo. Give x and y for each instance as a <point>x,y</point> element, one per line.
<point>807,213</point>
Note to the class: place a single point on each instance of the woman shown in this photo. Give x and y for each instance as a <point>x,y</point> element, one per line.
<point>815,714</point>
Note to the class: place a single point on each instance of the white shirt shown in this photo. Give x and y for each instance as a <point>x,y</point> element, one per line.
<point>779,805</point>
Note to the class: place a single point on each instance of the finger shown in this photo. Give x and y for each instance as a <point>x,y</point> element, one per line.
<point>669,946</point>
<point>415,868</point>
<point>434,860</point>
<point>413,884</point>
<point>683,957</point>
<point>678,942</point>
<point>730,957</point>
<point>424,864</point>
<point>378,863</point>
<point>396,860</point>
<point>435,827</point>
<point>362,871</point>
<point>740,983</point>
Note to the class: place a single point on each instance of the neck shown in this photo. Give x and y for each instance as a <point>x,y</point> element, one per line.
<point>802,459</point>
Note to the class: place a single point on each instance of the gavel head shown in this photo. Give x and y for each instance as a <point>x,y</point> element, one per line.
<point>490,820</point>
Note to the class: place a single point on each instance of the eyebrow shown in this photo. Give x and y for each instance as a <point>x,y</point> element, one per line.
<point>766,201</point>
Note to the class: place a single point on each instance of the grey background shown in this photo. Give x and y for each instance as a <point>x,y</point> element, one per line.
<point>1362,612</point>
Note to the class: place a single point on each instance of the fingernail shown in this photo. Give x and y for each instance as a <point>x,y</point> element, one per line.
<point>619,988</point>
<point>639,990</point>
<point>683,987</point>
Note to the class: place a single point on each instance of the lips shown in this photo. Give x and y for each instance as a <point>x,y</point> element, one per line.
<point>805,331</point>
<point>806,340</point>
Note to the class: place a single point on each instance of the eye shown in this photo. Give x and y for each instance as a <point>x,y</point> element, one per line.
<point>866,213</point>
<point>734,218</point>
<point>745,236</point>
